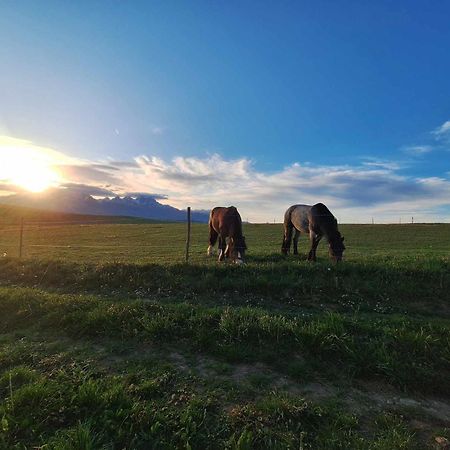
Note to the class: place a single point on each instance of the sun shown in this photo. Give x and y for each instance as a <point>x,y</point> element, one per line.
<point>34,179</point>
<point>27,168</point>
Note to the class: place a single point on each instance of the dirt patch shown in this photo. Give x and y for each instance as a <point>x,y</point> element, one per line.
<point>364,398</point>
<point>242,371</point>
<point>179,361</point>
<point>386,397</point>
<point>319,391</point>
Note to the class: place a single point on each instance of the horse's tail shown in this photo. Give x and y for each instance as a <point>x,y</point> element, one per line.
<point>213,235</point>
<point>288,227</point>
<point>288,214</point>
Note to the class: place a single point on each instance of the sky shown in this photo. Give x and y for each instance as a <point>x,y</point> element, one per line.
<point>256,104</point>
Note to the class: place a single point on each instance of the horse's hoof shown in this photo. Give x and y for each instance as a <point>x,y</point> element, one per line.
<point>239,261</point>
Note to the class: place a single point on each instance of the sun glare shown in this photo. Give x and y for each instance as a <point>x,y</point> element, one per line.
<point>28,168</point>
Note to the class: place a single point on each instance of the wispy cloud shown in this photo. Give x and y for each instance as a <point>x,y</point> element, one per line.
<point>89,173</point>
<point>124,164</point>
<point>8,188</point>
<point>440,139</point>
<point>147,194</point>
<point>88,189</point>
<point>443,131</point>
<point>418,150</point>
<point>382,163</point>
<point>157,131</point>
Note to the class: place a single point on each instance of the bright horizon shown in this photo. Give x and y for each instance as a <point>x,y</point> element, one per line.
<point>219,104</point>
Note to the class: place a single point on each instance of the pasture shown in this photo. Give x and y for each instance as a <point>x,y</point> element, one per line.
<point>109,340</point>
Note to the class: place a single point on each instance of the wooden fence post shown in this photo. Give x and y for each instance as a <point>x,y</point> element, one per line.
<point>188,238</point>
<point>21,238</point>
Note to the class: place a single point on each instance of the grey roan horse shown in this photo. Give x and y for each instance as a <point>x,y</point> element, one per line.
<point>226,223</point>
<point>317,221</point>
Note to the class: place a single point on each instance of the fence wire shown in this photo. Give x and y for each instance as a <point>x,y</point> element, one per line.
<point>98,242</point>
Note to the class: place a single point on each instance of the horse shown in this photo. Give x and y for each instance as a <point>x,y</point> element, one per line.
<point>226,223</point>
<point>317,221</point>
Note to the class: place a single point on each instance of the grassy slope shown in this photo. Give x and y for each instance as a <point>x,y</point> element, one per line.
<point>11,215</point>
<point>104,345</point>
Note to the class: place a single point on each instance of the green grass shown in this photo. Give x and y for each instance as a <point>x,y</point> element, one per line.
<point>165,243</point>
<point>114,342</point>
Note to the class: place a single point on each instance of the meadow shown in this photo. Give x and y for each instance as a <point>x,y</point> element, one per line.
<point>108,339</point>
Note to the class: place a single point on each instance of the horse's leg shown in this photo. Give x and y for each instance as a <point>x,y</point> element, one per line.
<point>285,248</point>
<point>227,250</point>
<point>315,239</point>
<point>219,247</point>
<point>222,245</point>
<point>212,240</point>
<point>295,242</point>
<point>230,251</point>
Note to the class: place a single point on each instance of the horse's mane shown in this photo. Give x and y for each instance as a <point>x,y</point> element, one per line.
<point>326,221</point>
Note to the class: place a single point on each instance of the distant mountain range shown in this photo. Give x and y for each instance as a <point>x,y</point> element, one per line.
<point>73,201</point>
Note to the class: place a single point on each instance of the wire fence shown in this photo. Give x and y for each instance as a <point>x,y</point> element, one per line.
<point>97,241</point>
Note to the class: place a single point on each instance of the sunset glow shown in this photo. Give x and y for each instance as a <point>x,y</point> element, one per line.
<point>26,166</point>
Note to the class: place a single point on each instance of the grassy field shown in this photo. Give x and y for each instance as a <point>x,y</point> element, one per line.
<point>108,340</point>
<point>166,243</point>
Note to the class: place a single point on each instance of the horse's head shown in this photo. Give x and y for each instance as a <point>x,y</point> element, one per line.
<point>238,249</point>
<point>336,247</point>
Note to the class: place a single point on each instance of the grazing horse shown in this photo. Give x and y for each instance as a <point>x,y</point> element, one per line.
<point>317,221</point>
<point>226,223</point>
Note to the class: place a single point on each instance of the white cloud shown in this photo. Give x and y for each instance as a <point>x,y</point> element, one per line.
<point>354,193</point>
<point>26,149</point>
<point>444,129</point>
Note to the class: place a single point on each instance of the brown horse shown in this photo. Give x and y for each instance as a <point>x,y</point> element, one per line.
<point>226,223</point>
<point>317,221</point>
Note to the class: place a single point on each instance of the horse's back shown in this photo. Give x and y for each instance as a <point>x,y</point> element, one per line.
<point>217,213</point>
<point>222,216</point>
<point>310,217</point>
<point>215,217</point>
<point>298,216</point>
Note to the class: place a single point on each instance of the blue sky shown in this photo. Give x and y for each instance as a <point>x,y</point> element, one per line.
<point>352,84</point>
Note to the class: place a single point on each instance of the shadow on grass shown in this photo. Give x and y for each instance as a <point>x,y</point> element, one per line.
<point>275,258</point>
<point>383,286</point>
